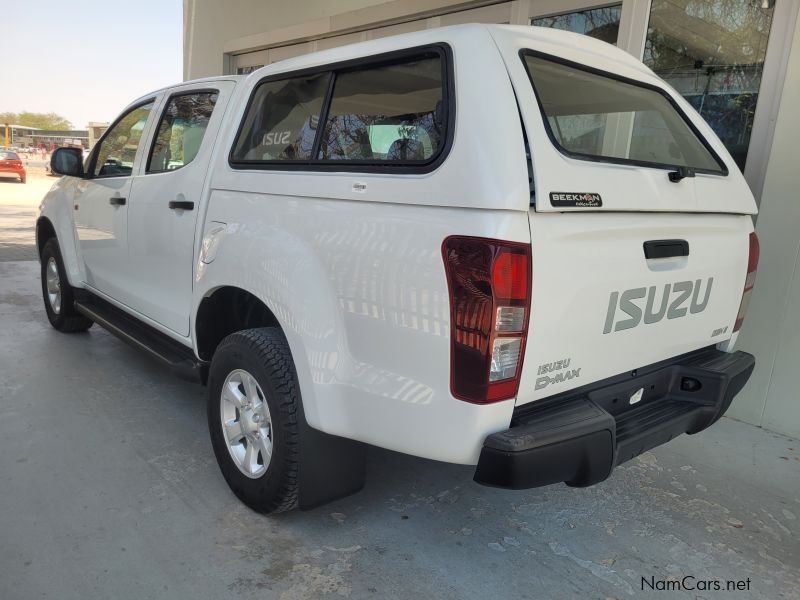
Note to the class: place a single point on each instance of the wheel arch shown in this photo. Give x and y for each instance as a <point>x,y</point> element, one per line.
<point>55,220</point>
<point>44,231</point>
<point>224,311</point>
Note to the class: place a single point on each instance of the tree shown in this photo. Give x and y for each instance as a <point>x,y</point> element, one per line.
<point>38,120</point>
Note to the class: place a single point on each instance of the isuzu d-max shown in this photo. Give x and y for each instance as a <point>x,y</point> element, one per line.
<point>508,247</point>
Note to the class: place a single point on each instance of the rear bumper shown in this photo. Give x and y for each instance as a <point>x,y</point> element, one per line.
<point>579,437</point>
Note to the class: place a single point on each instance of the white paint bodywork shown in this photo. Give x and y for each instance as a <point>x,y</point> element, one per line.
<point>356,278</point>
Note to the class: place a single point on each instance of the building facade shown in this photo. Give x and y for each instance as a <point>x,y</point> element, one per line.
<point>95,131</point>
<point>736,61</point>
<point>52,139</point>
<point>19,136</point>
<point>22,137</point>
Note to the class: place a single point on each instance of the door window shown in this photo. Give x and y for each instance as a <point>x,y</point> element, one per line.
<point>117,151</point>
<point>181,131</point>
<point>712,53</point>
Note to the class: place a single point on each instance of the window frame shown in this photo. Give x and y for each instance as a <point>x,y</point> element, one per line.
<point>723,170</point>
<point>98,144</point>
<point>177,94</point>
<point>442,50</point>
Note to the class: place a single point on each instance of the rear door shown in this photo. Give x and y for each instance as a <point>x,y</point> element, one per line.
<point>639,222</point>
<point>166,203</point>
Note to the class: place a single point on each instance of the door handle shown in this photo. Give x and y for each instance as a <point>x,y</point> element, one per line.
<point>181,205</point>
<point>116,201</point>
<point>665,248</point>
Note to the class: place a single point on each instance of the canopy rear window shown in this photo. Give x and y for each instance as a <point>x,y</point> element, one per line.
<point>597,116</point>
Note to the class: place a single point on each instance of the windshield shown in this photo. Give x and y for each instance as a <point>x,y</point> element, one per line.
<point>602,117</point>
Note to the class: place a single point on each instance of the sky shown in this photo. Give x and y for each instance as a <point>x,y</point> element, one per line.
<point>87,59</point>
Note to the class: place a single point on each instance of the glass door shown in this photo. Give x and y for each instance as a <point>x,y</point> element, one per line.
<point>601,23</point>
<point>712,52</point>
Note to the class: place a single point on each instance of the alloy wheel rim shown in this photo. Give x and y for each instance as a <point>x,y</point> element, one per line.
<point>53,285</point>
<point>246,423</point>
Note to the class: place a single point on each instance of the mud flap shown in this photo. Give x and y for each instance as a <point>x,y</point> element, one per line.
<point>331,467</point>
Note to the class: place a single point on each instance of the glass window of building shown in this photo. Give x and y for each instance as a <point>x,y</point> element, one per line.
<point>599,23</point>
<point>247,70</point>
<point>712,52</point>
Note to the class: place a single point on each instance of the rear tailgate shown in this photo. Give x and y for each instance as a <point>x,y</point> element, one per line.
<point>605,299</point>
<point>600,308</point>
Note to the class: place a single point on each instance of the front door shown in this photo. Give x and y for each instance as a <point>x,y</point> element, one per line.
<point>163,215</point>
<point>102,202</point>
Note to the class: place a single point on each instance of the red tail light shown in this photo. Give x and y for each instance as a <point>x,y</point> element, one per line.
<point>489,283</point>
<point>749,282</point>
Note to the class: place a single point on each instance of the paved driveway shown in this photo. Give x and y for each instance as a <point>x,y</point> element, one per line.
<point>18,206</point>
<point>109,489</point>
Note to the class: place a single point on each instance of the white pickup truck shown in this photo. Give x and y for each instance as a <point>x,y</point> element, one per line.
<point>508,247</point>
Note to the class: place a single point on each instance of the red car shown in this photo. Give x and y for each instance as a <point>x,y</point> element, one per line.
<point>11,164</point>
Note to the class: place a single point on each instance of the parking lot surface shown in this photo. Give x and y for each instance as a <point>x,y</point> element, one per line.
<point>109,489</point>
<point>18,205</point>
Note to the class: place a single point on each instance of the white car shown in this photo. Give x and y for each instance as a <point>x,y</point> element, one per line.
<point>508,247</point>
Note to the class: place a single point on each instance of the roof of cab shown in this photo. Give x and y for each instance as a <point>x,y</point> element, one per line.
<point>212,79</point>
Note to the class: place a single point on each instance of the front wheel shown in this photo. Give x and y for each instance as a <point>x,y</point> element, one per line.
<point>253,418</point>
<point>57,292</point>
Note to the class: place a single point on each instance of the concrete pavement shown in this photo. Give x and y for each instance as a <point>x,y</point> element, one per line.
<point>109,489</point>
<point>18,207</point>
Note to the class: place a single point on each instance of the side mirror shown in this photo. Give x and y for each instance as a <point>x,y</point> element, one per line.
<point>67,161</point>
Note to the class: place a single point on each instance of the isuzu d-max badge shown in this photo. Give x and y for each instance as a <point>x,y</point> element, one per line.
<point>671,304</point>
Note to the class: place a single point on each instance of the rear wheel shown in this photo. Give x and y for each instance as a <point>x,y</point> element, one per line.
<point>57,292</point>
<point>253,412</point>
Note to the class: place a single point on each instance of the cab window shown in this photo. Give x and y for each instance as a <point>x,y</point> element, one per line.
<point>282,120</point>
<point>390,110</point>
<point>181,131</point>
<point>117,151</point>
<point>391,113</point>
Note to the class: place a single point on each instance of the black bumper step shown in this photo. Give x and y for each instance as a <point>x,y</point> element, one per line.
<point>179,358</point>
<point>579,437</point>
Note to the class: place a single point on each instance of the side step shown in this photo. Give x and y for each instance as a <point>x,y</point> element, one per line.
<point>179,358</point>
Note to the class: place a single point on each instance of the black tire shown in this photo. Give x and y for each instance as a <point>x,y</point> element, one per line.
<point>264,354</point>
<point>67,319</point>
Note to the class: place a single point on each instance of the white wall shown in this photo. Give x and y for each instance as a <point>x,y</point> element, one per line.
<point>209,24</point>
<point>772,328</point>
